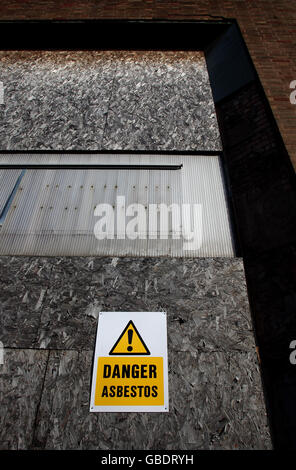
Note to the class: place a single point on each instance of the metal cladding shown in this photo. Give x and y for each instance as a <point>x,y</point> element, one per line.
<point>8,180</point>
<point>53,210</point>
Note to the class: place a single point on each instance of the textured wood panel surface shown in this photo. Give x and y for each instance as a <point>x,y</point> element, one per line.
<point>21,382</point>
<point>216,399</point>
<point>91,100</point>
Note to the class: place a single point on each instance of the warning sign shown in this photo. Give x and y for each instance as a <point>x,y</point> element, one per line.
<point>130,342</point>
<point>130,366</point>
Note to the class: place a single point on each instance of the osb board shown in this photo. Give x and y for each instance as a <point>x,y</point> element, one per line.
<point>21,380</point>
<point>92,100</point>
<point>215,404</point>
<point>54,302</point>
<point>216,399</point>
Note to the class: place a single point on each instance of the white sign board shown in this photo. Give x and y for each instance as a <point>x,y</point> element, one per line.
<point>130,371</point>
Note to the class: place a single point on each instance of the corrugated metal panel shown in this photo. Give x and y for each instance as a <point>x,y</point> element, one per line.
<point>54,212</point>
<point>89,158</point>
<point>203,183</point>
<point>8,179</point>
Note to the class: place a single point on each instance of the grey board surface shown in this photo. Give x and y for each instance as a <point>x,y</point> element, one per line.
<point>21,380</point>
<point>94,100</point>
<point>216,399</point>
<point>210,402</point>
<point>54,303</point>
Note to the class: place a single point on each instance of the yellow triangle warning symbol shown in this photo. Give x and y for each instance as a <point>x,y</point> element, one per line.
<point>130,342</point>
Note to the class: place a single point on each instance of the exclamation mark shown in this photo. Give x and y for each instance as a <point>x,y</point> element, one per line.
<point>130,337</point>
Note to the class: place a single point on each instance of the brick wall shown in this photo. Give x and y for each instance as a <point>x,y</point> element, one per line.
<point>268,27</point>
<point>261,183</point>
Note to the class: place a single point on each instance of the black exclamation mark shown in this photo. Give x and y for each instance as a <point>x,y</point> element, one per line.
<point>130,337</point>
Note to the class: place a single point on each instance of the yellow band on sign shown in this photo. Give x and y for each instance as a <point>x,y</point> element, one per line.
<point>129,381</point>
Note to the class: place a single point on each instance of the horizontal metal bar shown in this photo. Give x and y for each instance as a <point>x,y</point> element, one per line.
<point>79,166</point>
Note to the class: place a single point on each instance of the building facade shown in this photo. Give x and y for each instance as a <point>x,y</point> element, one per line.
<point>200,119</point>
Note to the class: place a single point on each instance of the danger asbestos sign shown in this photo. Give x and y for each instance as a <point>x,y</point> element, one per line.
<point>130,367</point>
